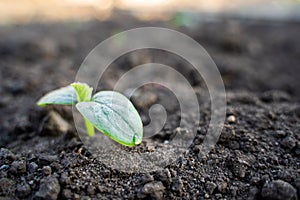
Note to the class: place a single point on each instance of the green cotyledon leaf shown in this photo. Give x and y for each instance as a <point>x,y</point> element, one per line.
<point>62,96</point>
<point>114,115</point>
<point>84,92</point>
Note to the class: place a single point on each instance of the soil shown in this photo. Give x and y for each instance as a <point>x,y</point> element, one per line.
<point>256,157</point>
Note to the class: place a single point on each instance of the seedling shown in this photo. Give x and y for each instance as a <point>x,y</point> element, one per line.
<point>110,112</point>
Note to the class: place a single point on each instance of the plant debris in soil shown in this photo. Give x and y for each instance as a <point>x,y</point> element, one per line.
<point>256,157</point>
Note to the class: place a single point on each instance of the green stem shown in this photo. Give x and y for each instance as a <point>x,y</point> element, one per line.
<point>84,94</point>
<point>89,128</point>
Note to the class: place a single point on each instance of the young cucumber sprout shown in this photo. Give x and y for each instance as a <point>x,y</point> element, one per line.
<point>110,112</point>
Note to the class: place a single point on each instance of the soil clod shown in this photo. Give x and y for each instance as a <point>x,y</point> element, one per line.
<point>49,189</point>
<point>153,189</point>
<point>278,190</point>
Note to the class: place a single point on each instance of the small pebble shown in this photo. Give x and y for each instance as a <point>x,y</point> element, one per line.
<point>7,155</point>
<point>233,190</point>
<point>4,167</point>
<point>154,190</point>
<point>231,119</point>
<point>23,190</point>
<point>54,125</point>
<point>32,167</point>
<point>151,148</point>
<point>147,178</point>
<point>280,134</point>
<point>47,170</point>
<point>210,187</point>
<point>288,142</point>
<point>227,134</point>
<point>222,186</point>
<point>18,167</point>
<point>66,194</point>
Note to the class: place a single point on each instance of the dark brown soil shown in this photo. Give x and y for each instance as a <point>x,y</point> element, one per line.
<point>258,153</point>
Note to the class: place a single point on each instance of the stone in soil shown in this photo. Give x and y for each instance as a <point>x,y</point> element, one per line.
<point>238,165</point>
<point>227,134</point>
<point>23,190</point>
<point>210,187</point>
<point>288,142</point>
<point>146,178</point>
<point>54,124</point>
<point>231,119</point>
<point>47,159</point>
<point>18,167</point>
<point>5,185</point>
<point>154,190</point>
<point>32,167</point>
<point>66,194</point>
<point>280,134</point>
<point>165,176</point>
<point>6,155</point>
<point>49,189</point>
<point>278,190</point>
<point>222,186</point>
<point>47,170</point>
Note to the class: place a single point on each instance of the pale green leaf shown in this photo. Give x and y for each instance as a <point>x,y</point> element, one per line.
<point>62,96</point>
<point>114,115</point>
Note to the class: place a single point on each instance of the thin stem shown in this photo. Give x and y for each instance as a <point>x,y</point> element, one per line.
<point>84,94</point>
<point>89,128</point>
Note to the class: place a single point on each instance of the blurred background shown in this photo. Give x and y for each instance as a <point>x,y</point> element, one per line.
<point>254,43</point>
<point>26,11</point>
